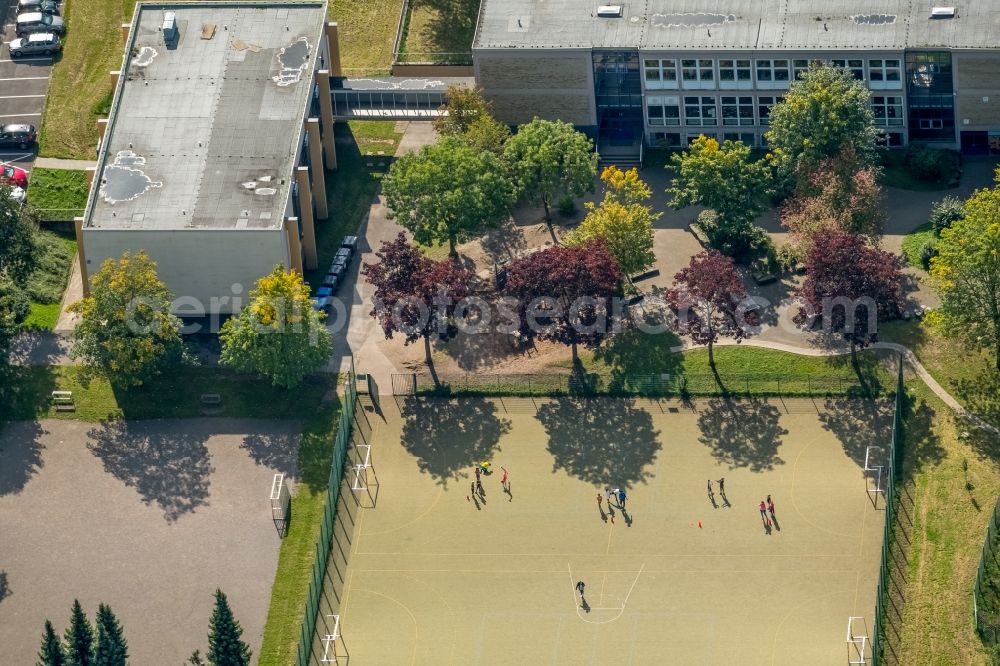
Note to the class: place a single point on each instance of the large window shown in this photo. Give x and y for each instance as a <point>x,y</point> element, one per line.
<point>700,111</point>
<point>660,73</point>
<point>764,105</point>
<point>772,74</point>
<point>664,139</point>
<point>930,100</point>
<point>884,74</point>
<point>799,66</point>
<point>663,110</point>
<point>698,74</point>
<point>737,110</point>
<point>735,75</point>
<point>745,137</point>
<point>856,67</point>
<point>888,110</point>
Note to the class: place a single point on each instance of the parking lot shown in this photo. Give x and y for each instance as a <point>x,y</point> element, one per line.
<point>23,84</point>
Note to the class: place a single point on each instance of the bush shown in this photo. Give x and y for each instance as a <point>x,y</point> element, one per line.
<point>48,281</point>
<point>928,252</point>
<point>944,213</point>
<point>930,164</point>
<point>789,256</point>
<point>743,242</point>
<point>566,206</point>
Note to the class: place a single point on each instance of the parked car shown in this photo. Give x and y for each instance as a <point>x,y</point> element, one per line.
<point>43,6</point>
<point>40,43</point>
<point>11,175</point>
<point>18,195</point>
<point>32,22</point>
<point>19,135</point>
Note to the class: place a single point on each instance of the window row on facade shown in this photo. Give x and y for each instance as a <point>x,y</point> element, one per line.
<point>661,139</point>
<point>744,110</point>
<point>747,74</point>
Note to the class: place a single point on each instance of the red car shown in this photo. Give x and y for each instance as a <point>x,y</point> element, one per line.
<point>11,175</point>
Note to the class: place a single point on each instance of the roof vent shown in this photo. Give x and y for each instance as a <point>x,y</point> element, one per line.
<point>609,11</point>
<point>942,12</point>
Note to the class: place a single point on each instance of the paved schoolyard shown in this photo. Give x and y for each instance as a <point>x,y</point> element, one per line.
<point>149,517</point>
<point>436,575</point>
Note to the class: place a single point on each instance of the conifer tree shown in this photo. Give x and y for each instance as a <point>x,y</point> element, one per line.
<point>51,653</point>
<point>225,647</point>
<point>112,648</point>
<point>79,638</point>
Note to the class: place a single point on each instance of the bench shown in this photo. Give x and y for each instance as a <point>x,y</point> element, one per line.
<point>700,234</point>
<point>211,399</point>
<point>63,401</point>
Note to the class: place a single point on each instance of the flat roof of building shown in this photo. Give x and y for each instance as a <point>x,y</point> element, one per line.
<point>205,129</point>
<point>706,25</point>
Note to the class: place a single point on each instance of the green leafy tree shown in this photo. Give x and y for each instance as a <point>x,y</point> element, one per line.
<point>945,213</point>
<point>79,638</point>
<point>967,272</point>
<point>550,160</point>
<point>825,112</point>
<point>726,180</point>
<point>111,648</point>
<point>52,653</point>
<point>487,134</point>
<point>447,191</point>
<point>626,231</point>
<point>225,644</point>
<point>624,187</point>
<point>14,309</point>
<point>279,334</point>
<point>18,246</point>
<point>126,331</point>
<point>463,107</point>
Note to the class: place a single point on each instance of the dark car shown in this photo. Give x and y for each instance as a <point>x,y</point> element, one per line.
<point>21,136</point>
<point>43,6</point>
<point>30,22</point>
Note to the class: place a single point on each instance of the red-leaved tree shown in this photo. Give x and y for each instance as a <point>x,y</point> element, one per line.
<point>710,300</point>
<point>839,193</point>
<point>414,295</point>
<point>852,286</point>
<point>564,294</point>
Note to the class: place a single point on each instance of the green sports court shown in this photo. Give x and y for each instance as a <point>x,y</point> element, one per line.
<point>425,571</point>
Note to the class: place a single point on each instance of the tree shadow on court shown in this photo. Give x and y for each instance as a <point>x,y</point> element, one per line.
<point>634,355</point>
<point>603,441</point>
<point>742,432</point>
<point>170,470</point>
<point>5,590</point>
<point>276,451</point>
<point>21,455</point>
<point>448,435</point>
<point>859,423</point>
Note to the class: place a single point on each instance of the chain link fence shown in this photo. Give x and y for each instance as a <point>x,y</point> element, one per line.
<point>986,596</point>
<point>652,385</point>
<point>341,442</point>
<point>883,599</point>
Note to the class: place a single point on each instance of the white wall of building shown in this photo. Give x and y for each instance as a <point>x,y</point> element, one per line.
<point>200,266</point>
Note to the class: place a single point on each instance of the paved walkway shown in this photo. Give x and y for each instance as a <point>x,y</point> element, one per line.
<point>57,163</point>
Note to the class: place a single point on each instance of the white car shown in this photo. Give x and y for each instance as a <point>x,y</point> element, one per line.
<point>40,43</point>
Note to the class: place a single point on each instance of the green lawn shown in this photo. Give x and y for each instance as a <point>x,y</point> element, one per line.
<point>913,243</point>
<point>440,37</point>
<point>56,249</point>
<point>952,477</point>
<point>351,188</point>
<point>58,194</point>
<point>367,34</point>
<point>81,77</point>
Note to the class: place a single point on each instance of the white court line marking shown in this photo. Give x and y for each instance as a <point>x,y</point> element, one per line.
<point>19,96</point>
<point>620,610</point>
<point>19,115</point>
<point>26,78</point>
